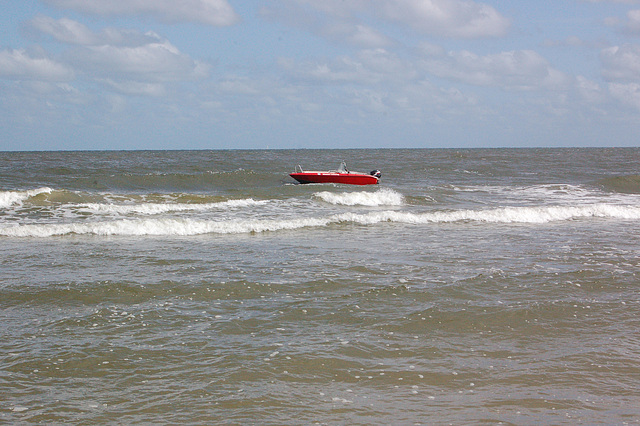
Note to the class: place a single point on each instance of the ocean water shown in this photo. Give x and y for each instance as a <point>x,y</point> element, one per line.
<point>207,287</point>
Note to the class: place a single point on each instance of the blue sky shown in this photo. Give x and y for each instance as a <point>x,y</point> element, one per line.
<point>219,74</point>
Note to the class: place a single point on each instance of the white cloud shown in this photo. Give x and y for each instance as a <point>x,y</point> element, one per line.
<point>210,12</point>
<point>633,22</point>
<point>19,65</point>
<point>387,64</point>
<point>137,88</point>
<point>573,41</point>
<point>520,69</point>
<point>413,102</point>
<point>126,61</point>
<point>628,94</point>
<point>621,63</point>
<point>68,31</point>
<point>240,86</point>
<point>379,81</point>
<point>376,81</point>
<point>363,23</point>
<point>630,26</point>
<point>589,90</point>
<point>430,49</point>
<point>357,35</point>
<point>448,18</point>
<point>159,61</point>
<point>335,21</point>
<point>370,66</point>
<point>64,30</point>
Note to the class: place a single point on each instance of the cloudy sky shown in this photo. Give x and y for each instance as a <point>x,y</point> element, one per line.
<point>217,74</point>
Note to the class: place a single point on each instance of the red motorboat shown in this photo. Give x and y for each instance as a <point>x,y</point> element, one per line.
<point>342,175</point>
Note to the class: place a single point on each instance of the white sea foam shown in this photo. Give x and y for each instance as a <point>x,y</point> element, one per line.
<point>533,215</point>
<point>159,208</point>
<point>187,226</point>
<point>383,197</point>
<point>9,198</point>
<point>550,193</point>
<point>159,226</point>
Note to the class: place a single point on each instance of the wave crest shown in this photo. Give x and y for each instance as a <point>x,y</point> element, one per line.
<point>160,227</point>
<point>188,226</point>
<point>9,198</point>
<point>531,215</point>
<point>383,197</point>
<point>159,208</point>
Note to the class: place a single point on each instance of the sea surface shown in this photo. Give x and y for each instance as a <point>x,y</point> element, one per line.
<point>497,286</point>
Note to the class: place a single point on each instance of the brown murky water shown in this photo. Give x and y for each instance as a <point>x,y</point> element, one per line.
<point>475,286</point>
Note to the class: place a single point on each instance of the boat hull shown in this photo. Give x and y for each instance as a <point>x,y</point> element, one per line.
<point>334,177</point>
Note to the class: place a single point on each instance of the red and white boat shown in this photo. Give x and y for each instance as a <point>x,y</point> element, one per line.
<point>342,175</point>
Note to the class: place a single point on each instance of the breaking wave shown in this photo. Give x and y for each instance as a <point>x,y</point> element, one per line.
<point>383,197</point>
<point>532,215</point>
<point>190,226</point>
<point>165,226</point>
<point>9,198</point>
<point>70,203</point>
<point>160,208</point>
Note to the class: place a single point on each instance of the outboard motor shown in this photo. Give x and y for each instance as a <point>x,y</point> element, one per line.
<point>376,173</point>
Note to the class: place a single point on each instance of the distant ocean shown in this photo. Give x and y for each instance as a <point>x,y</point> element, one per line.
<point>207,287</point>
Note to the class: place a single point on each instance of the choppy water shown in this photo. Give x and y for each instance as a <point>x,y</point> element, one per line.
<point>205,287</point>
